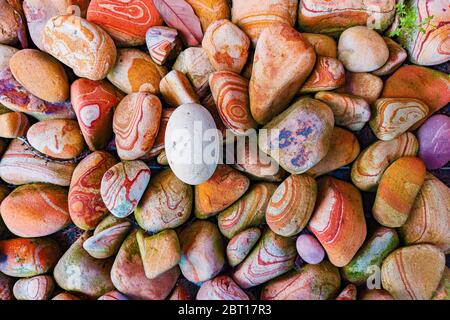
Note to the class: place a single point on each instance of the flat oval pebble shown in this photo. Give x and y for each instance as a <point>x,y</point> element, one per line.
<point>163,43</point>
<point>36,210</point>
<point>310,249</point>
<point>328,74</point>
<point>283,215</point>
<point>180,141</point>
<point>35,288</point>
<point>303,138</point>
<point>86,206</point>
<point>123,186</point>
<point>166,203</point>
<point>13,125</point>
<point>136,124</point>
<point>22,258</point>
<point>81,45</point>
<point>433,138</point>
<point>241,244</point>
<point>60,139</point>
<point>221,288</point>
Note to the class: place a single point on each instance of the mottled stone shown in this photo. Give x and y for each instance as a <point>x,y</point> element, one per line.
<point>328,74</point>
<point>35,288</point>
<point>221,288</point>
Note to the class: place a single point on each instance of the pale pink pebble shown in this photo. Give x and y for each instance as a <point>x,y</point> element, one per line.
<point>309,249</point>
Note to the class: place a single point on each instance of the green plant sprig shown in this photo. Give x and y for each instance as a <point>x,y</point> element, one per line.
<point>408,23</point>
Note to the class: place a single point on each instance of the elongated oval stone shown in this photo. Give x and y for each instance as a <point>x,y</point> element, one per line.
<point>284,215</point>
<point>374,160</point>
<point>107,238</point>
<point>163,43</point>
<point>349,111</point>
<point>362,84</point>
<point>273,256</point>
<point>311,282</point>
<point>338,220</point>
<point>166,204</point>
<point>94,103</point>
<point>397,191</point>
<point>86,206</point>
<point>344,149</point>
<point>328,74</point>
<point>397,55</point>
<point>136,124</point>
<point>241,244</point>
<point>13,125</point>
<point>202,251</point>
<point>60,139</point>
<point>221,288</point>
<point>20,165</point>
<point>123,185</point>
<point>371,255</point>
<point>81,45</point>
<point>77,271</point>
<point>283,61</point>
<point>35,288</point>
<point>414,272</point>
<point>310,249</point>
<point>23,258</point>
<point>429,217</point>
<point>393,116</point>
<point>249,211</point>
<point>230,92</point>
<point>128,276</point>
<point>36,210</point>
<point>220,191</point>
<point>433,137</point>
<point>324,45</point>
<point>299,137</point>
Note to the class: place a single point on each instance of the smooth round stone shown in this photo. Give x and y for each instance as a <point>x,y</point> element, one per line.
<point>221,288</point>
<point>136,124</point>
<point>123,186</point>
<point>241,244</point>
<point>135,71</point>
<point>433,138</point>
<point>77,271</point>
<point>86,206</point>
<point>167,203</point>
<point>36,210</point>
<point>202,251</point>
<point>61,139</point>
<point>185,133</point>
<point>113,295</point>
<point>309,249</point>
<point>414,272</point>
<point>362,49</point>
<point>128,276</point>
<point>125,21</point>
<point>81,45</point>
<point>23,258</point>
<point>94,103</point>
<point>13,125</point>
<point>299,137</point>
<point>41,74</point>
<point>35,288</point>
<point>6,287</point>
<point>9,25</point>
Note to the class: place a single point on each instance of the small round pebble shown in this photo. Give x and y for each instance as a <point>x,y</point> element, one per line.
<point>434,136</point>
<point>309,249</point>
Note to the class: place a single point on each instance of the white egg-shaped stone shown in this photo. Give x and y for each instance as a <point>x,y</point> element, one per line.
<point>192,143</point>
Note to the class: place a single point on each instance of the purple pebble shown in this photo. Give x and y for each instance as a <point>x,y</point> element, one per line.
<point>309,249</point>
<point>434,137</point>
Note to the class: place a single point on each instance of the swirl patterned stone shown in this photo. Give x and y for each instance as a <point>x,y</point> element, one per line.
<point>81,45</point>
<point>284,215</point>
<point>273,256</point>
<point>36,210</point>
<point>374,160</point>
<point>230,92</point>
<point>166,204</point>
<point>123,186</point>
<point>126,21</point>
<point>311,282</point>
<point>397,191</point>
<point>338,220</point>
<point>19,165</point>
<point>429,218</point>
<point>13,125</point>
<point>209,11</point>
<point>159,146</point>
<point>328,74</point>
<point>202,251</point>
<point>253,16</point>
<point>136,124</point>
<point>86,206</point>
<point>414,272</point>
<point>163,43</point>
<point>221,288</point>
<point>35,288</point>
<point>241,244</point>
<point>249,211</point>
<point>397,55</point>
<point>94,103</point>
<point>393,116</point>
<point>24,258</point>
